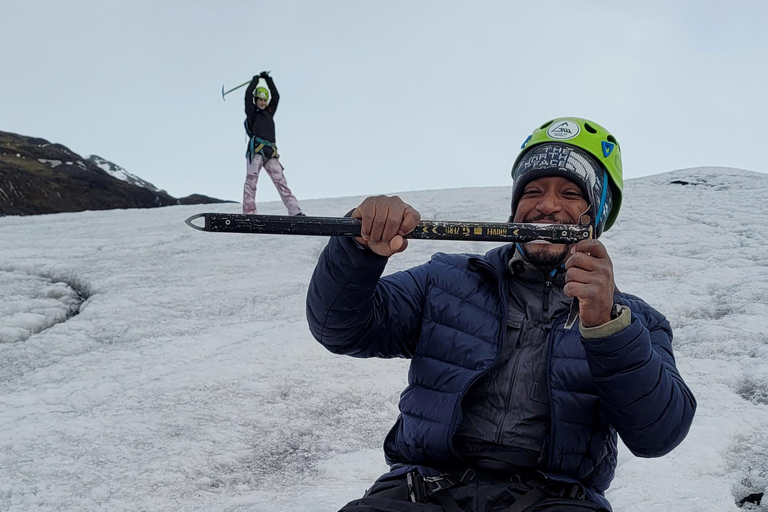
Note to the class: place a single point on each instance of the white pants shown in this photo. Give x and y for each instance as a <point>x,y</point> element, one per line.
<point>275,171</point>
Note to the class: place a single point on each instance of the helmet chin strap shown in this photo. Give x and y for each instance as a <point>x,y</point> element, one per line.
<point>583,214</point>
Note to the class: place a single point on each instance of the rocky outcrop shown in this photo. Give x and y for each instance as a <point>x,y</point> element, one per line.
<point>37,176</point>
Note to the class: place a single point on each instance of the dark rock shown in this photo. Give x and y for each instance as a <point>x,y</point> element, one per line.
<point>755,498</point>
<point>39,177</point>
<point>201,199</point>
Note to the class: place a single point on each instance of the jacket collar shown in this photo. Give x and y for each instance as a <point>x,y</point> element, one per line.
<point>497,259</point>
<point>502,260</point>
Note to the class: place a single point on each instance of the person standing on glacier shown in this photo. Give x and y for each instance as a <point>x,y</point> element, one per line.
<point>262,151</point>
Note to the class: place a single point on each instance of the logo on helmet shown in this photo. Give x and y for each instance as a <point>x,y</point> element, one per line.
<point>563,130</point>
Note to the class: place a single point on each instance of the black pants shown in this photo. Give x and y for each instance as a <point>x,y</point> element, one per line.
<point>391,495</point>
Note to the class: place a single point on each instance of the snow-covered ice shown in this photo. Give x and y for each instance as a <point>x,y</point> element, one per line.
<point>148,366</point>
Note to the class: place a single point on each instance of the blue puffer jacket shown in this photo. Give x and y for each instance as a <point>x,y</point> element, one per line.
<point>448,316</point>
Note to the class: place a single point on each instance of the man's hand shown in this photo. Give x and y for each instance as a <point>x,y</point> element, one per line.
<point>386,220</point>
<point>589,276</point>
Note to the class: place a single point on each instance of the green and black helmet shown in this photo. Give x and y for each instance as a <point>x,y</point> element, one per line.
<point>261,93</point>
<point>581,151</point>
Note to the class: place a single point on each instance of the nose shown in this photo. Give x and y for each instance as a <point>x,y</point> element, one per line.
<point>549,203</point>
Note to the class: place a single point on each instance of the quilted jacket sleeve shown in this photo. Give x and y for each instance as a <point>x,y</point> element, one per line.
<point>352,310</point>
<point>644,396</point>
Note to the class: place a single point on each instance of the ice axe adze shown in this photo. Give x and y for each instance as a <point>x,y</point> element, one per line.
<point>233,89</point>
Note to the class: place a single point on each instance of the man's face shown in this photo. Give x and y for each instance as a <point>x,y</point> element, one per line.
<point>552,200</point>
<point>261,103</point>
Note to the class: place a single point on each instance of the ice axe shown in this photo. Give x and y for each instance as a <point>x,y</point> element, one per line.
<point>224,93</point>
<point>425,230</point>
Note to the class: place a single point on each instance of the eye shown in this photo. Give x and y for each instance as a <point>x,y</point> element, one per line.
<point>531,191</point>
<point>573,194</point>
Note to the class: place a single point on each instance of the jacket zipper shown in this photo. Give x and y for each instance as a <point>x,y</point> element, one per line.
<point>549,441</point>
<point>548,288</point>
<point>500,428</point>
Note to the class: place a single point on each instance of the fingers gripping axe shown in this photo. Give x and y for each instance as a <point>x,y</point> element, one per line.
<point>573,313</point>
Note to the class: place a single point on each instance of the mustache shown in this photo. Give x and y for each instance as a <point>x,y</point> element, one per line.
<point>551,219</point>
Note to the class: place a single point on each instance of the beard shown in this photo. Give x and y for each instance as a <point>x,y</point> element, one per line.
<point>546,255</point>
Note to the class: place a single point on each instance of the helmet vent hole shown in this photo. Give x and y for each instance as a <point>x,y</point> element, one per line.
<point>546,124</point>
<point>611,138</point>
<point>589,128</point>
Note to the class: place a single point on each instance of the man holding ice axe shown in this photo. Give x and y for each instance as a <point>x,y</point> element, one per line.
<point>508,409</point>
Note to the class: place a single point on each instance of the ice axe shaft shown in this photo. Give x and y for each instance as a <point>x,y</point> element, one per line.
<point>426,229</point>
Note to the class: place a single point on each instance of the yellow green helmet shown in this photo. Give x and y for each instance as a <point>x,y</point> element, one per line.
<point>549,150</point>
<point>261,93</point>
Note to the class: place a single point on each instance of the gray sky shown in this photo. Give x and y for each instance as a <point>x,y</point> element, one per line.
<point>383,96</point>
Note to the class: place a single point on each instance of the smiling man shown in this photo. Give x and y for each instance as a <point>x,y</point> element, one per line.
<point>506,409</point>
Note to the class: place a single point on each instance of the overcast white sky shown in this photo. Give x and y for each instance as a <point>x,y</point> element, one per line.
<point>383,96</point>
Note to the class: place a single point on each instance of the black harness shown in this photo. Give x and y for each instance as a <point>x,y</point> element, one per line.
<point>431,489</point>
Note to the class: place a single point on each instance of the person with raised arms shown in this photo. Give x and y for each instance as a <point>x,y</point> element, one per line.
<point>260,110</point>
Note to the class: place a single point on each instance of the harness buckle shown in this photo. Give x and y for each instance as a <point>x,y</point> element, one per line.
<point>421,488</point>
<point>433,485</point>
<point>574,492</point>
<point>562,490</point>
<point>415,484</point>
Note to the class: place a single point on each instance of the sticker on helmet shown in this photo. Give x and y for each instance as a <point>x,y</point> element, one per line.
<point>607,148</point>
<point>563,130</point>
